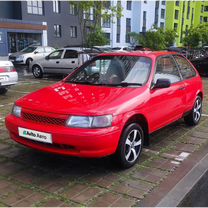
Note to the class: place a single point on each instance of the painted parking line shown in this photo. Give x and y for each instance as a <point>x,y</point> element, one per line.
<point>1,106</point>
<point>2,119</point>
<point>205,115</point>
<point>20,91</point>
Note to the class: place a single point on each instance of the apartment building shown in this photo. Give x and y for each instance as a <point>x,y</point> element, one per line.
<point>52,23</point>
<point>137,16</point>
<point>181,15</point>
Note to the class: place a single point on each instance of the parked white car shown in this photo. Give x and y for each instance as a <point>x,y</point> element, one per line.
<point>8,76</point>
<point>29,54</point>
<point>61,61</point>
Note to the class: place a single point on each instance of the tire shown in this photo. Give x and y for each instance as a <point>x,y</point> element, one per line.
<point>28,61</point>
<point>194,116</point>
<point>130,145</point>
<point>37,71</point>
<point>3,91</point>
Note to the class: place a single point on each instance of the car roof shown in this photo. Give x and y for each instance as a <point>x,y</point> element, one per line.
<point>150,54</point>
<point>72,48</point>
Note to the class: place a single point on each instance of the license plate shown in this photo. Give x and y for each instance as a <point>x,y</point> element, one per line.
<point>35,135</point>
<point>3,78</point>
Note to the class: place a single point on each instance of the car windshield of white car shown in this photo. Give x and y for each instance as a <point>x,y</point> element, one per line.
<point>113,71</point>
<point>28,49</point>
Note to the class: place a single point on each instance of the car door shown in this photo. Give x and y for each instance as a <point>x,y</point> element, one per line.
<point>166,104</point>
<point>51,62</point>
<point>69,61</point>
<point>192,84</point>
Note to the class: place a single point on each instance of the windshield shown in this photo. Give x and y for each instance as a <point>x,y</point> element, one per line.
<point>29,49</point>
<point>113,71</point>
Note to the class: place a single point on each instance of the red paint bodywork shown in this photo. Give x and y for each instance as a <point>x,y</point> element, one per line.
<point>159,107</point>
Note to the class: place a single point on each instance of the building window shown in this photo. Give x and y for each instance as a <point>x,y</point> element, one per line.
<point>176,14</point>
<point>73,32</point>
<point>206,8</point>
<point>88,14</point>
<point>57,31</point>
<point>162,13</point>
<point>163,2</point>
<point>188,10</point>
<point>201,19</point>
<point>106,22</point>
<point>177,3</point>
<point>107,36</point>
<point>56,6</point>
<point>202,8</point>
<point>128,5</point>
<point>205,19</point>
<point>107,4</point>
<point>144,21</point>
<point>35,7</point>
<point>128,29</point>
<point>175,26</point>
<point>72,9</point>
<point>192,16</point>
<point>118,30</point>
<point>162,25</point>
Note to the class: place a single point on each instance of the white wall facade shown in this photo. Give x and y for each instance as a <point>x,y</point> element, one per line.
<point>136,16</point>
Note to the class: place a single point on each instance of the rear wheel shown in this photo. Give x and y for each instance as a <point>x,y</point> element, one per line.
<point>130,145</point>
<point>3,90</point>
<point>37,71</point>
<point>194,116</point>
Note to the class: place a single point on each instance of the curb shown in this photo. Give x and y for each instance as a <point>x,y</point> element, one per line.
<point>188,187</point>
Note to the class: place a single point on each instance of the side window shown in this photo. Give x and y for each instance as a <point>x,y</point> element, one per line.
<point>39,50</point>
<point>185,67</point>
<point>56,54</point>
<point>70,54</point>
<point>48,49</point>
<point>167,69</point>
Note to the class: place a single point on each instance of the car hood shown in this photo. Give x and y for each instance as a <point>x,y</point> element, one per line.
<point>65,98</point>
<point>18,54</point>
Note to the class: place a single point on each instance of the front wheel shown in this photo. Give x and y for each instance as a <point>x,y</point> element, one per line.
<point>37,71</point>
<point>194,116</point>
<point>3,90</point>
<point>130,145</point>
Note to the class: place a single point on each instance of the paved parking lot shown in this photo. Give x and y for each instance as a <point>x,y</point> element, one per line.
<point>31,178</point>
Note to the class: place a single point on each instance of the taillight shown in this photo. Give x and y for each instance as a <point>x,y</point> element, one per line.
<point>7,69</point>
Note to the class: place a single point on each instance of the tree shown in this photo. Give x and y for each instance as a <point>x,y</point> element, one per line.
<point>96,37</point>
<point>196,35</point>
<point>101,10</point>
<point>155,38</point>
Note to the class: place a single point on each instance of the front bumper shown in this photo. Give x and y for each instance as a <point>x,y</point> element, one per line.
<point>68,141</point>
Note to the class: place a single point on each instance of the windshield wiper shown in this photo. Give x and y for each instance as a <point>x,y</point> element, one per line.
<point>76,82</point>
<point>126,84</point>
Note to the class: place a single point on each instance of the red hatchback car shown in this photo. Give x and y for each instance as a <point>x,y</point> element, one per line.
<point>109,106</point>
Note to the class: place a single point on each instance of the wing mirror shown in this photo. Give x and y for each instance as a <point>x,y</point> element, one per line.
<point>47,57</point>
<point>36,52</point>
<point>162,83</point>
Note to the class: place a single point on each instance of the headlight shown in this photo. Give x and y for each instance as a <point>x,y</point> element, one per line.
<point>89,122</point>
<point>19,58</point>
<point>17,111</point>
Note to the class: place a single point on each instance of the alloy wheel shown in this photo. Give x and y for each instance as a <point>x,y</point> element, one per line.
<point>197,110</point>
<point>133,145</point>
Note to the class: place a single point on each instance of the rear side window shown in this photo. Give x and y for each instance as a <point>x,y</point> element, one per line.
<point>70,54</point>
<point>167,69</point>
<point>185,67</point>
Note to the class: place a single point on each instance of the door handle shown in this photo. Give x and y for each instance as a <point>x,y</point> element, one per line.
<point>57,62</point>
<point>73,62</point>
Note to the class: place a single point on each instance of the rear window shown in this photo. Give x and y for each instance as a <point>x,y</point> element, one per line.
<point>187,71</point>
<point>70,54</point>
